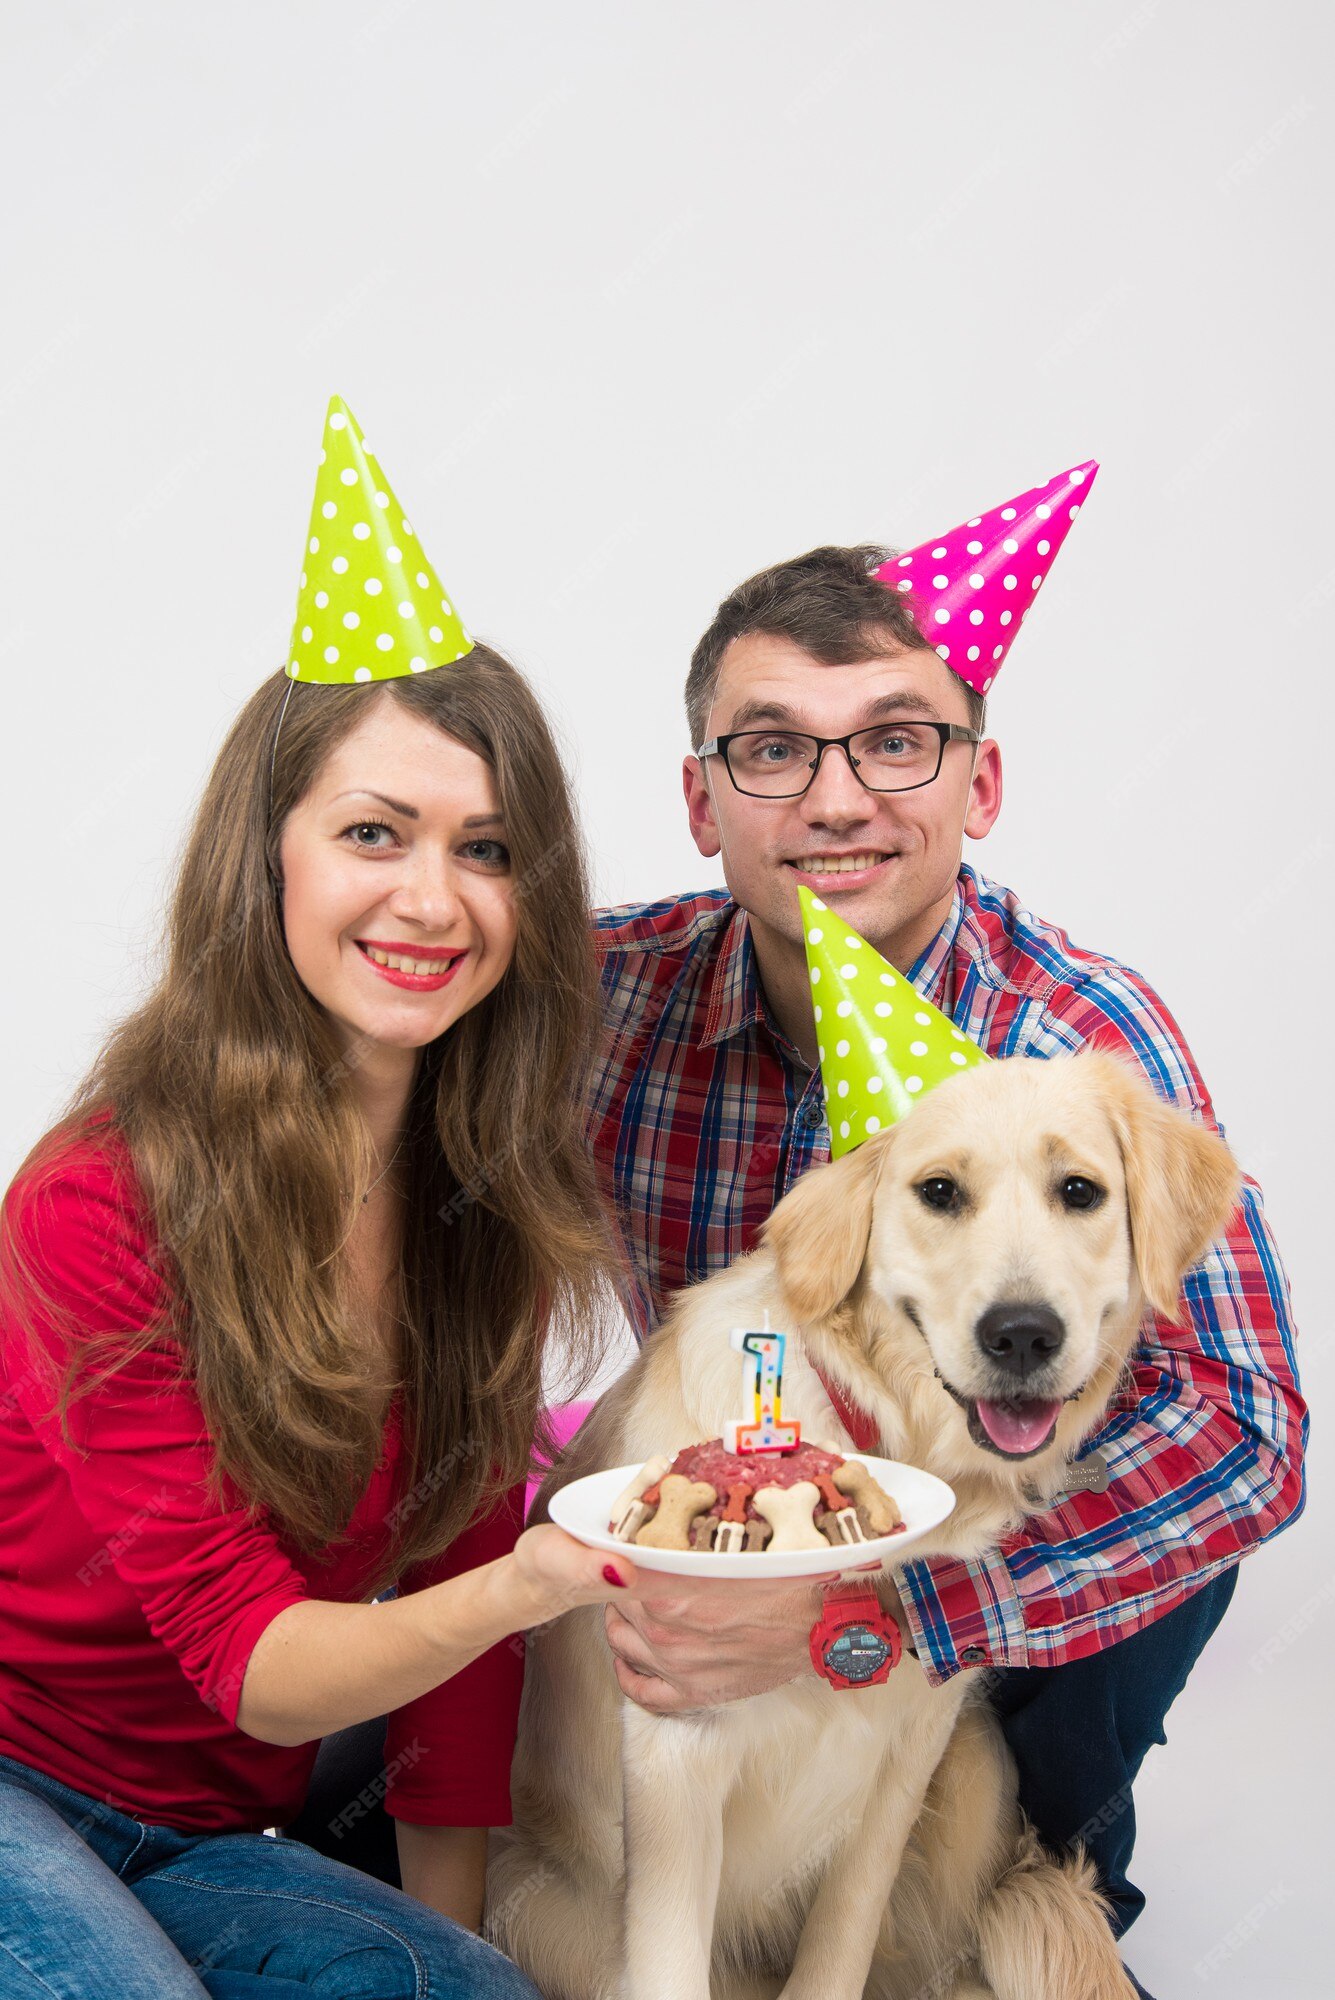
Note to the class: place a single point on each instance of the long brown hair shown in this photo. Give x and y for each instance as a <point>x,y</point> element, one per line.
<point>230,1089</point>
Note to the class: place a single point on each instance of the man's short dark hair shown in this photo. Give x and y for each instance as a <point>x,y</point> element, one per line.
<point>831,603</point>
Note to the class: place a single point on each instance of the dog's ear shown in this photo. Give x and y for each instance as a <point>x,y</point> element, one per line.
<point>1182,1181</point>
<point>819,1231</point>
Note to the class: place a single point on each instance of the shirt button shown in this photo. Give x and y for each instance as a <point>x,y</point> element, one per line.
<point>973,1655</point>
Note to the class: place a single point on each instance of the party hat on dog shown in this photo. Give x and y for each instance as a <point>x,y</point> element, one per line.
<point>881,1044</point>
<point>370,606</point>
<point>972,586</point>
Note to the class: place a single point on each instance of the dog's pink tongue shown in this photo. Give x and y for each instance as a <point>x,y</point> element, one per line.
<point>1018,1426</point>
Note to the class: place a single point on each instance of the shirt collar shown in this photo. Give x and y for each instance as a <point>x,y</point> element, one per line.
<point>736,1002</point>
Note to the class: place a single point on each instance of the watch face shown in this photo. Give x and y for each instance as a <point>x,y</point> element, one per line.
<point>857,1654</point>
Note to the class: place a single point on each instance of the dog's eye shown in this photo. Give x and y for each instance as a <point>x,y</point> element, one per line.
<point>1077,1192</point>
<point>938,1192</point>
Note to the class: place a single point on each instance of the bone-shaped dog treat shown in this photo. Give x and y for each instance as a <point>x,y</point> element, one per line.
<point>839,1523</point>
<point>629,1512</point>
<point>680,1500</point>
<point>853,1478</point>
<point>788,1509</point>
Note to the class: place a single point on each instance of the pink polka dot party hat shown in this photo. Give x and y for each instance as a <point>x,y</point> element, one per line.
<point>970,588</point>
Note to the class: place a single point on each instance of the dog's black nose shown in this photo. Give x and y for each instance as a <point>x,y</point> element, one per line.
<point>1019,1336</point>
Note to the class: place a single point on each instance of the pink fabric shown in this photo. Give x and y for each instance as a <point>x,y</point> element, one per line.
<point>566,1420</point>
<point>972,586</point>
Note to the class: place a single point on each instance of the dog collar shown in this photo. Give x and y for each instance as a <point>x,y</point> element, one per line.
<point>855,1642</point>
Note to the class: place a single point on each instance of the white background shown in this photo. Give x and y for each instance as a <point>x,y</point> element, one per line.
<point>634,299</point>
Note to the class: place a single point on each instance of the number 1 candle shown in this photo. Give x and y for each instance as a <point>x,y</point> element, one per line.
<point>762,1375</point>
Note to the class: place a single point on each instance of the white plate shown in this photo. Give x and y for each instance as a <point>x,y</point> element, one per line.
<point>582,1509</point>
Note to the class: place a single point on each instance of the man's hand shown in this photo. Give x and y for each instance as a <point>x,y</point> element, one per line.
<point>682,1645</point>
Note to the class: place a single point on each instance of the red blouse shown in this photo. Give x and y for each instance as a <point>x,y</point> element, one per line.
<point>130,1603</point>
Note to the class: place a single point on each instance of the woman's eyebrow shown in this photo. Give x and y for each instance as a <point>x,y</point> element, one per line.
<point>364,792</point>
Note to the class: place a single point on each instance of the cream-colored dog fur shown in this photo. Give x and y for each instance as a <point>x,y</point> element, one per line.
<point>818,1844</point>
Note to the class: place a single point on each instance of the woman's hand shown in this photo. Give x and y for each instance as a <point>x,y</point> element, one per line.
<point>548,1572</point>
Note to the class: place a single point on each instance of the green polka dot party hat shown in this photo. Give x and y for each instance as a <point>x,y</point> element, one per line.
<point>370,606</point>
<point>881,1044</point>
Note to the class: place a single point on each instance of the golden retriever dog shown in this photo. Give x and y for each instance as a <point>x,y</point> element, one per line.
<point>974,1278</point>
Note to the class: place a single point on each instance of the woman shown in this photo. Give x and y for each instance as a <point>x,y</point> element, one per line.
<point>274,1298</point>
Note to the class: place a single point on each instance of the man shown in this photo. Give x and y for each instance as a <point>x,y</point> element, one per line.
<point>710,1106</point>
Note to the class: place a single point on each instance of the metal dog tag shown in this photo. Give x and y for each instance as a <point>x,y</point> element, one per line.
<point>1086,1475</point>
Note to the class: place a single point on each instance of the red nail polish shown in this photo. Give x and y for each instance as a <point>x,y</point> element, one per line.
<point>610,1576</point>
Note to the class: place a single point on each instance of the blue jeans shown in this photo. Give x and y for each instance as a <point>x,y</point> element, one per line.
<point>95,1905</point>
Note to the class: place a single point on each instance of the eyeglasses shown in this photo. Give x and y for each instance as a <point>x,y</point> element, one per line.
<point>892,757</point>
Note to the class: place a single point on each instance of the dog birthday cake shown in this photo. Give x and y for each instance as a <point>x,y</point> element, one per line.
<point>732,1503</point>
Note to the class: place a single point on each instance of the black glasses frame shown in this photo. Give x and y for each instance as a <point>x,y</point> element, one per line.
<point>946,732</point>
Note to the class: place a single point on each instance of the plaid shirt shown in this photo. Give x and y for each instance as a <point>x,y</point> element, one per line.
<point>705,1115</point>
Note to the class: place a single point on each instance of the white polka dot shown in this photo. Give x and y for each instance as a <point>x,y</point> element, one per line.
<point>315,545</point>
<point>393,555</point>
<point>996,654</point>
<point>361,531</point>
<point>937,554</point>
<point>1036,582</point>
<point>913,1083</point>
<point>975,617</point>
<point>974,548</point>
<point>975,521</point>
<point>1073,511</point>
<point>1008,513</point>
<point>349,478</point>
<point>407,608</point>
<point>973,652</point>
<point>1043,548</point>
<point>942,616</point>
<point>904,561</point>
<point>817,904</point>
<point>329,510</point>
<point>903,584</point>
<point>435,634</point>
<point>367,446</point>
<point>874,1083</point>
<point>407,527</point>
<point>844,1009</point>
<point>1077,479</point>
<point>304,579</point>
<point>877,1045</point>
<point>815,975</point>
<point>321,599</point>
<point>883,1010</point>
<point>331,654</point>
<point>943,652</point>
<point>337,421</point>
<point>976,580</point>
<point>418,665</point>
<point>1008,583</point>
<point>887,979</point>
<point>305,635</point>
<point>940,582</point>
<point>1044,513</point>
<point>841,1087</point>
<point>843,1129</point>
<point>351,620</point>
<point>988,682</point>
<point>848,972</point>
<point>382,500</point>
<point>815,935</point>
<point>874,1124</point>
<point>1006,617</point>
<point>853,944</point>
<point>956,1057</point>
<point>373,586</point>
<point>917,1048</point>
<point>339,565</point>
<point>423,579</point>
<point>445,607</point>
<point>819,1012</point>
<point>841,1048</point>
<point>384,642</point>
<point>1010,545</point>
<point>293,670</point>
<point>362,674</point>
<point>923,1020</point>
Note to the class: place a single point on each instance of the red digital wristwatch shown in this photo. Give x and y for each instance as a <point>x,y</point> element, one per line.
<point>855,1642</point>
